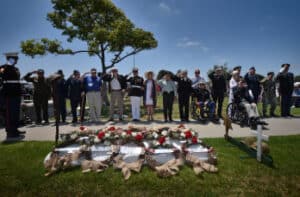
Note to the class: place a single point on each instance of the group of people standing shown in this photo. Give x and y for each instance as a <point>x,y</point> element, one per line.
<point>78,87</point>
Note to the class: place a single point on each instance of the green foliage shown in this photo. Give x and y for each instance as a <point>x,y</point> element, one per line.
<point>297,78</point>
<point>100,24</point>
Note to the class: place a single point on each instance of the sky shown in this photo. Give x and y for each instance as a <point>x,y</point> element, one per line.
<point>190,33</point>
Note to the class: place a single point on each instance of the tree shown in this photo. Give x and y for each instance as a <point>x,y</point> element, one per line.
<point>297,78</point>
<point>109,34</point>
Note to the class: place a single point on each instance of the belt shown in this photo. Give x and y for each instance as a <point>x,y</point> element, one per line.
<point>134,86</point>
<point>11,81</point>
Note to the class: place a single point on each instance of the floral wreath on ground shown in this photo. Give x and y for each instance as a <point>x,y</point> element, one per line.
<point>150,139</point>
<point>156,136</point>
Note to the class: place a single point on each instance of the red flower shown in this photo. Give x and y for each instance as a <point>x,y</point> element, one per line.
<point>101,134</point>
<point>181,126</point>
<point>128,132</point>
<point>139,137</point>
<point>161,140</point>
<point>188,134</point>
<point>194,140</point>
<point>81,128</point>
<point>112,128</point>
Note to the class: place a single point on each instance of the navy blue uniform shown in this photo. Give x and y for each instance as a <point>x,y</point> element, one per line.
<point>286,87</point>
<point>254,85</point>
<point>62,94</point>
<point>184,89</point>
<point>74,90</point>
<point>11,95</point>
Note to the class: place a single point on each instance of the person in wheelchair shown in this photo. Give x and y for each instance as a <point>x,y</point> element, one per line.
<point>204,101</point>
<point>244,98</point>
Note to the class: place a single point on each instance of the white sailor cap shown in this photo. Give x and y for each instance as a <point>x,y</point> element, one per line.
<point>11,54</point>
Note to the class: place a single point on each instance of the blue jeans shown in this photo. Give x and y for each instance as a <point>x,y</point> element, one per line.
<point>12,115</point>
<point>211,106</point>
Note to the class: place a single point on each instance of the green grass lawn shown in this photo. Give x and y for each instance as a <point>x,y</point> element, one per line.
<point>21,172</point>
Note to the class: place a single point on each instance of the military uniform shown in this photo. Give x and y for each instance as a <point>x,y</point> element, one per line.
<point>135,93</point>
<point>184,89</point>
<point>41,94</point>
<point>74,90</point>
<point>11,95</point>
<point>286,88</point>
<point>269,96</point>
<point>218,90</point>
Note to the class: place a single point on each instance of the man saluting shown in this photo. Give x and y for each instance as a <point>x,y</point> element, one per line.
<point>11,93</point>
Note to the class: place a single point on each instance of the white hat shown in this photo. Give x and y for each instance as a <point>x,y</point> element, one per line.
<point>296,84</point>
<point>235,72</point>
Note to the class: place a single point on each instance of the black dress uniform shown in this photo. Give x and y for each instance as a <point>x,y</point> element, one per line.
<point>11,94</point>
<point>218,90</point>
<point>184,89</point>
<point>74,90</point>
<point>135,93</point>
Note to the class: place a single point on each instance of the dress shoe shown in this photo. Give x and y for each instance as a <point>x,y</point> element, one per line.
<point>17,137</point>
<point>21,132</point>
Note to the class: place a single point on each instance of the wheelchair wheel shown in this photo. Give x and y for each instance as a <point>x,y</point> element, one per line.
<point>243,117</point>
<point>194,111</point>
<point>232,112</point>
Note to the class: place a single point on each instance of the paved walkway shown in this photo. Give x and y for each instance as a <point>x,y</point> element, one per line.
<point>276,127</point>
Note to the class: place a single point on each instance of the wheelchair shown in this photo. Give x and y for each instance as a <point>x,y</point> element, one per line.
<point>200,114</point>
<point>237,114</point>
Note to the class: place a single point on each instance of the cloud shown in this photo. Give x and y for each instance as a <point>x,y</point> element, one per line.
<point>167,8</point>
<point>163,6</point>
<point>188,43</point>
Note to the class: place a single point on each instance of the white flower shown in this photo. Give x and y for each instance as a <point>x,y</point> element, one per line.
<point>155,143</point>
<point>107,135</point>
<point>117,136</point>
<point>96,140</point>
<point>155,135</point>
<point>123,134</point>
<point>164,132</point>
<point>182,134</point>
<point>133,134</point>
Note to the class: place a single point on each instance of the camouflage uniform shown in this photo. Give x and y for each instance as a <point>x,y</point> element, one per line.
<point>269,96</point>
